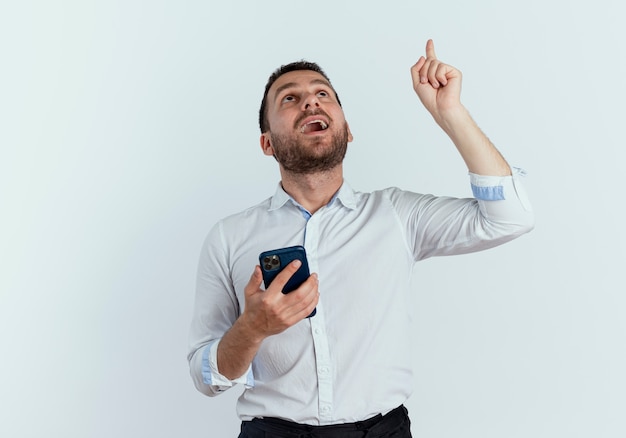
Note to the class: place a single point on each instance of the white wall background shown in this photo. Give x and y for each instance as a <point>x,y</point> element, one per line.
<point>127,128</point>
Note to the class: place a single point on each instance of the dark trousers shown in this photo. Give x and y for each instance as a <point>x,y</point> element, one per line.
<point>395,424</point>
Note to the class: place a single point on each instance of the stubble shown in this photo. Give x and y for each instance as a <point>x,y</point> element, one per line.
<point>299,155</point>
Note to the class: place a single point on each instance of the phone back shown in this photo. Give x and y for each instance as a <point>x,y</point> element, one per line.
<point>272,262</point>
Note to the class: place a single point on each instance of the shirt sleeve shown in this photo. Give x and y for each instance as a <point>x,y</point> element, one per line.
<point>215,310</point>
<point>437,226</point>
<point>212,382</point>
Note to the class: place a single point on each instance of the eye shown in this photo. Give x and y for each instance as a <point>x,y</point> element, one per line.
<point>289,98</point>
<point>322,93</point>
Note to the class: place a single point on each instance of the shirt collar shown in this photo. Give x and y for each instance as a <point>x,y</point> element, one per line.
<point>345,195</point>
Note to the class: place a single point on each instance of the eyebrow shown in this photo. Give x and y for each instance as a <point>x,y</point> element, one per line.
<point>293,84</point>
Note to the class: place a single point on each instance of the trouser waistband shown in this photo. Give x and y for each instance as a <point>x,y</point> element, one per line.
<point>282,428</point>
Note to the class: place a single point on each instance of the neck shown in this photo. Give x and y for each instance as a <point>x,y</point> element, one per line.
<point>312,191</point>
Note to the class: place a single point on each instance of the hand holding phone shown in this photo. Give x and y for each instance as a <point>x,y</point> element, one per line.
<point>272,262</point>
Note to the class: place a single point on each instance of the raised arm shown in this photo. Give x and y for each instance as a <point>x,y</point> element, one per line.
<point>438,86</point>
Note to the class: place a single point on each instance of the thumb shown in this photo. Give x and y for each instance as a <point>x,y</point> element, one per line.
<point>415,72</point>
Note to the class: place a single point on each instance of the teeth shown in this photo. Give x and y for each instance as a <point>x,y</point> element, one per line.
<point>322,123</point>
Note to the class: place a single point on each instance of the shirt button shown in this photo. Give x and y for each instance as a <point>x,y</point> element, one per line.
<point>325,409</point>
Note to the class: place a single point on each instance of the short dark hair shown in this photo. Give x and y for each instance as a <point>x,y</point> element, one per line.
<point>294,66</point>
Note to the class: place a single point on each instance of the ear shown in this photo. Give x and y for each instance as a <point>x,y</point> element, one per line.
<point>266,144</point>
<point>350,138</point>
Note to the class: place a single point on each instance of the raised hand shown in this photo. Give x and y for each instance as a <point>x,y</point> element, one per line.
<point>438,85</point>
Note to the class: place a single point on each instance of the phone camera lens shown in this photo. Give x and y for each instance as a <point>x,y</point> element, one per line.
<point>271,262</point>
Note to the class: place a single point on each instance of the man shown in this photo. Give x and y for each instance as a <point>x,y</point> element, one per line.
<point>345,371</point>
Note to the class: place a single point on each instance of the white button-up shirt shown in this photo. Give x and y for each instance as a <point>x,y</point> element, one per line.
<point>352,360</point>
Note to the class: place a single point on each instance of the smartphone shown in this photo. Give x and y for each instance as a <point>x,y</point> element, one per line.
<point>272,262</point>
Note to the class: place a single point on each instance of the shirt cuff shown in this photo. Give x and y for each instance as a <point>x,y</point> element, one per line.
<point>495,188</point>
<point>211,375</point>
<point>511,201</point>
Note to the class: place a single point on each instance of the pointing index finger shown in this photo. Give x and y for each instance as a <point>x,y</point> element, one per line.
<point>430,49</point>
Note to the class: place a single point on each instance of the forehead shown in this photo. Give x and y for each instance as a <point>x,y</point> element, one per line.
<point>297,78</point>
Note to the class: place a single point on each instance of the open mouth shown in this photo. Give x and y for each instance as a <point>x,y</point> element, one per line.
<point>315,125</point>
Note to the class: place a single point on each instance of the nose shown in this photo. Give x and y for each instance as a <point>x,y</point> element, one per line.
<point>310,101</point>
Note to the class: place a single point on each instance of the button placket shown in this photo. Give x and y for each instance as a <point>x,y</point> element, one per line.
<point>318,327</point>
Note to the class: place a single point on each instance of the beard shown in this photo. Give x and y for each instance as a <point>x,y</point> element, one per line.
<point>309,155</point>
